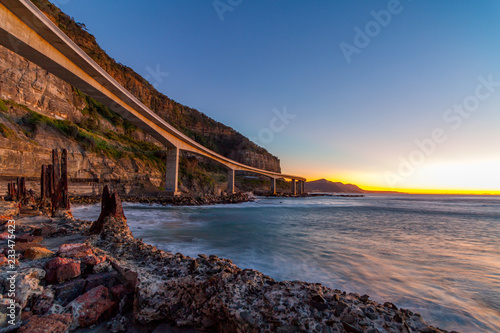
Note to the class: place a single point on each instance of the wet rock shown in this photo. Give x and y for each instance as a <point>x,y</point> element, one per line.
<point>37,253</point>
<point>54,323</point>
<point>92,307</point>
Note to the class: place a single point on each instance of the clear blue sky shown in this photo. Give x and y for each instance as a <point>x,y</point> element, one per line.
<point>354,121</point>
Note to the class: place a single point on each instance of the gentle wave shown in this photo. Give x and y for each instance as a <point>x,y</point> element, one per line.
<point>436,255</point>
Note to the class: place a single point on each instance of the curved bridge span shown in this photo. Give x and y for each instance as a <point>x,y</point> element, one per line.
<point>25,30</point>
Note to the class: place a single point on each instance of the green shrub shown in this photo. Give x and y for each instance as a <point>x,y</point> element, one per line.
<point>3,107</point>
<point>7,132</point>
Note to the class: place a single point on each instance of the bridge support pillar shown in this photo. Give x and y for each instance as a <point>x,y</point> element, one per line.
<point>294,187</point>
<point>300,189</point>
<point>172,171</point>
<point>230,181</point>
<point>273,185</point>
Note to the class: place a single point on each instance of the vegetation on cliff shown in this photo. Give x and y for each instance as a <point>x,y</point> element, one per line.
<point>198,126</point>
<point>39,112</point>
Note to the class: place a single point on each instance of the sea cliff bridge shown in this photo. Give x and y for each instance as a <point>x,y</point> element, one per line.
<point>25,30</point>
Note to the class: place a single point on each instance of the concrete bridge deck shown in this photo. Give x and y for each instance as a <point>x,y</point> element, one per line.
<point>25,30</point>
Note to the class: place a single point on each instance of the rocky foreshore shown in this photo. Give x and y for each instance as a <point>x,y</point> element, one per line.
<point>163,199</point>
<point>69,278</point>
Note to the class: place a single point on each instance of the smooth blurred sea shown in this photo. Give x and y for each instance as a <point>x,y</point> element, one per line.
<point>438,255</point>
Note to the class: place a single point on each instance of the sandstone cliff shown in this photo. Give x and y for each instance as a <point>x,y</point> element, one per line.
<point>40,111</point>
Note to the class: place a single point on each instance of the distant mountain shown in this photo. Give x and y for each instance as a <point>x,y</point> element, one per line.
<point>323,185</point>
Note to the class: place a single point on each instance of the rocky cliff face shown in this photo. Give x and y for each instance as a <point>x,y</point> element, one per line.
<point>25,146</point>
<point>193,123</point>
<point>40,112</point>
<point>25,83</point>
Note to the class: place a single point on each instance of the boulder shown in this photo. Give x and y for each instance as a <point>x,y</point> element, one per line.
<point>68,291</point>
<point>62,269</point>
<point>37,253</point>
<point>29,239</point>
<point>64,248</point>
<point>27,284</point>
<point>75,251</point>
<point>21,247</point>
<point>92,306</point>
<point>44,302</point>
<point>68,271</point>
<point>54,323</point>
<point>108,279</point>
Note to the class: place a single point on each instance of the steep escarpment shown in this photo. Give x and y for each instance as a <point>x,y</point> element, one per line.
<point>212,134</point>
<point>39,112</point>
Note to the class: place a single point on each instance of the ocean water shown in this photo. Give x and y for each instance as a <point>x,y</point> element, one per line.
<point>433,254</point>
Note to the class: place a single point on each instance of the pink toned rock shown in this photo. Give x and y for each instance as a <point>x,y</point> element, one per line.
<point>92,306</point>
<point>51,268</point>
<point>54,323</point>
<point>62,269</point>
<point>68,271</point>
<point>4,235</point>
<point>72,247</point>
<point>75,251</point>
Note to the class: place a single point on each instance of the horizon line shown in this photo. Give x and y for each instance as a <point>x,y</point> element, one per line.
<point>419,191</point>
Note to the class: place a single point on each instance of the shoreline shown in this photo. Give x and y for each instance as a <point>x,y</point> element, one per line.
<point>160,288</point>
<point>200,200</point>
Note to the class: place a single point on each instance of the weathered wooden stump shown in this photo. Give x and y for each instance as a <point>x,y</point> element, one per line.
<point>11,192</point>
<point>54,184</point>
<point>111,205</point>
